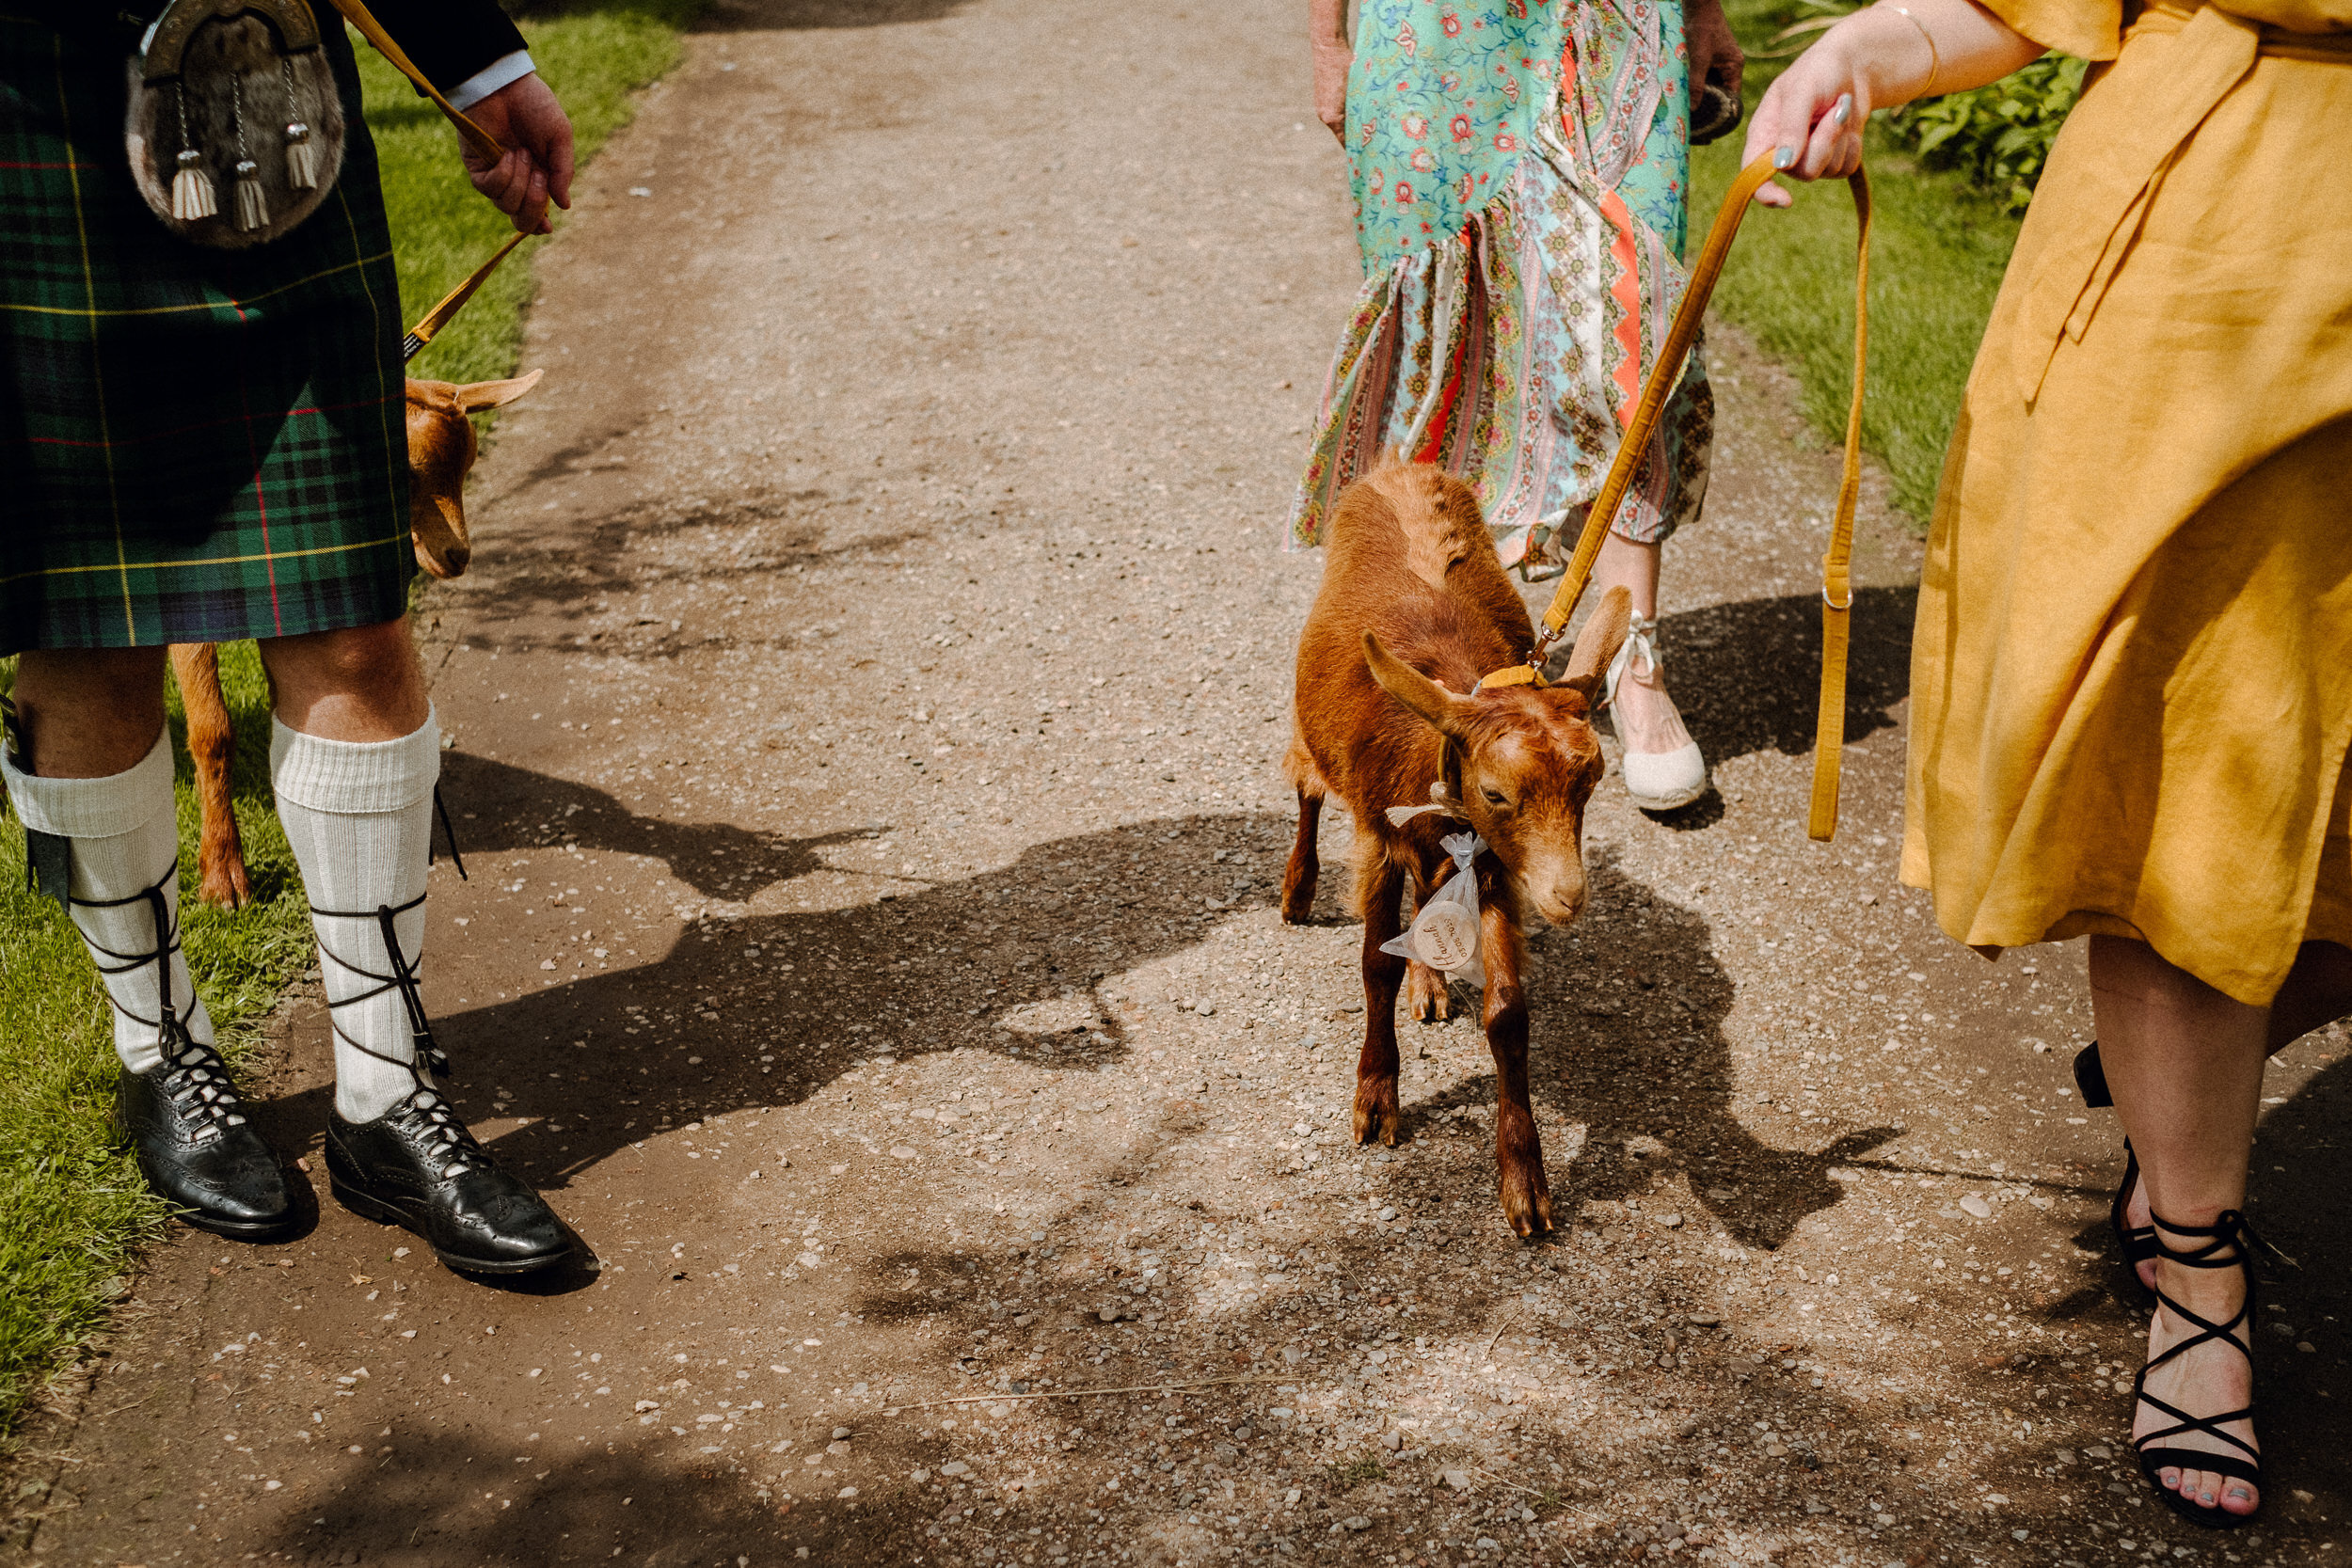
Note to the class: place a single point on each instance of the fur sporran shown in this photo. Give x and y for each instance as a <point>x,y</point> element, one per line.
<point>235,125</point>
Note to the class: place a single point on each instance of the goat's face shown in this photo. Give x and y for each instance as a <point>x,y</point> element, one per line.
<point>441,449</point>
<point>1527,757</point>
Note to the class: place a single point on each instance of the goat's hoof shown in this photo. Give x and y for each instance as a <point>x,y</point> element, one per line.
<point>1527,1203</point>
<point>1298,901</point>
<point>1376,1115</point>
<point>224,885</point>
<point>1426,995</point>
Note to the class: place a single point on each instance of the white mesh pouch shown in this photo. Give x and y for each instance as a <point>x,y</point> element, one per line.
<point>1444,932</point>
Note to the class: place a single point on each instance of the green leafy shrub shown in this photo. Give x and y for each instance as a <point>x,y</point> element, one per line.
<point>1998,134</point>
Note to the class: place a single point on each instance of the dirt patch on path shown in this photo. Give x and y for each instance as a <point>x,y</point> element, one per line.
<point>866,713</point>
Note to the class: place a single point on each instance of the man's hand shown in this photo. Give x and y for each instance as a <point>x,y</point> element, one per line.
<point>1715,54</point>
<point>1327,40</point>
<point>1332,63</point>
<point>537,169</point>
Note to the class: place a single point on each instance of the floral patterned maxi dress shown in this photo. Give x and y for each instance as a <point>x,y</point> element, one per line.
<point>1520,182</point>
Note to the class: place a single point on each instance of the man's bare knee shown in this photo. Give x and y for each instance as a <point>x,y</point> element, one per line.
<point>361,683</point>
<point>89,713</point>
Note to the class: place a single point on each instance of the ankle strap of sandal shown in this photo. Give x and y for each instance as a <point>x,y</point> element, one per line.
<point>2229,1242</point>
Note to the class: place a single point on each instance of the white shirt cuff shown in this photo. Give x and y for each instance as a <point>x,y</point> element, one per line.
<point>503,72</point>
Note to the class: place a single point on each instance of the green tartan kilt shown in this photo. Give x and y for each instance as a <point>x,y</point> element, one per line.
<point>196,445</point>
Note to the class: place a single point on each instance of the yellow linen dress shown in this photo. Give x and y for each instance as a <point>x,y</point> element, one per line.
<point>2132,677</point>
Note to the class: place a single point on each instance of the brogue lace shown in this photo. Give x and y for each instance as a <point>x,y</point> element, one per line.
<point>447,1143</point>
<point>195,1081</point>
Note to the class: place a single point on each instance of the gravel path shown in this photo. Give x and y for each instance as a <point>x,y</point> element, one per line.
<point>867,710</point>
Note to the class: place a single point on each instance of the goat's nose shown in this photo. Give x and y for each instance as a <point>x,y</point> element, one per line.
<point>456,558</point>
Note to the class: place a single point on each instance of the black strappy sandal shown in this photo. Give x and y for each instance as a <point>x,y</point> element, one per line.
<point>2138,1242</point>
<point>2230,1243</point>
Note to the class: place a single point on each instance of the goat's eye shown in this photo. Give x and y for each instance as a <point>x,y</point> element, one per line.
<point>1494,797</point>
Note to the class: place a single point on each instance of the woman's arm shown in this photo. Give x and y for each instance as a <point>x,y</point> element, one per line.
<point>1326,36</point>
<point>1897,50</point>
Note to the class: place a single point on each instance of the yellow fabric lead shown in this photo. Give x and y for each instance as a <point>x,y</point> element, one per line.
<point>1837,577</point>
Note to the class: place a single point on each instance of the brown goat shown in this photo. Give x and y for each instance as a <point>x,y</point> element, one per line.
<point>441,452</point>
<point>1414,609</point>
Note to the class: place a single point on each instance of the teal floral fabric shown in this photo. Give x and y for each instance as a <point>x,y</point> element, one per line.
<point>1520,174</point>
<point>1440,105</point>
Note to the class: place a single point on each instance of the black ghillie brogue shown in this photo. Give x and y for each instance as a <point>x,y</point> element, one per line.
<point>186,1123</point>
<point>419,1167</point>
<point>183,1118</point>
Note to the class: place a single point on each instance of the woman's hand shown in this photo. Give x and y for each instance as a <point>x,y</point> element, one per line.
<point>527,120</point>
<point>1889,53</point>
<point>1811,118</point>
<point>1715,54</point>
<point>1327,38</point>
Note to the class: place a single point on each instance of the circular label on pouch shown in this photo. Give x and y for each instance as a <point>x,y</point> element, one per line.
<point>1444,935</point>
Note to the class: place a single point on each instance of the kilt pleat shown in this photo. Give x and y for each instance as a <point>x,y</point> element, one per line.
<point>196,445</point>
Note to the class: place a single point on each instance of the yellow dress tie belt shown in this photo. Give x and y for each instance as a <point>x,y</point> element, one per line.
<point>1836,566</point>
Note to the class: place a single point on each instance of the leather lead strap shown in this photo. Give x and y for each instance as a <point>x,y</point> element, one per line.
<point>451,302</point>
<point>1829,734</point>
<point>1837,574</point>
<point>485,145</point>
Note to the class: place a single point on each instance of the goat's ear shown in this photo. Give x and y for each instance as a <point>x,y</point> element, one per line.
<point>475,396</point>
<point>1445,711</point>
<point>1597,645</point>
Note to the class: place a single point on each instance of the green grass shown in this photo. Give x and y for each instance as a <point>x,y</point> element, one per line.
<point>74,1215</point>
<point>1938,246</point>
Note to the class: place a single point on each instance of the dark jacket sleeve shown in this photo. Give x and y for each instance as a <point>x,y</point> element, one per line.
<point>449,39</point>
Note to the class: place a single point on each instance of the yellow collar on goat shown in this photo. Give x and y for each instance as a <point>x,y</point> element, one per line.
<point>1513,675</point>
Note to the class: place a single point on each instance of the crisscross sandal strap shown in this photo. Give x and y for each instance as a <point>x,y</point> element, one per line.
<point>2210,1425</point>
<point>2228,1242</point>
<point>402,979</point>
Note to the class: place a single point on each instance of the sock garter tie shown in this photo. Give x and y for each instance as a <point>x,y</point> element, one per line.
<point>201,1091</point>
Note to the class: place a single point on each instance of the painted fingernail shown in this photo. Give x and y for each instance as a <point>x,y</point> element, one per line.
<point>1784,157</point>
<point>1843,111</point>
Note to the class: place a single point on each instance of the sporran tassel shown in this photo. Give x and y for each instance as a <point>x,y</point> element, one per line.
<point>192,189</point>
<point>252,205</point>
<point>302,159</point>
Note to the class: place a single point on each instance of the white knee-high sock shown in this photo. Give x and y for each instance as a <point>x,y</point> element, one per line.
<point>360,818</point>
<point>126,839</point>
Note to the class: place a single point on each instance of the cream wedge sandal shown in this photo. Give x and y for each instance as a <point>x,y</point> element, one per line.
<point>1658,781</point>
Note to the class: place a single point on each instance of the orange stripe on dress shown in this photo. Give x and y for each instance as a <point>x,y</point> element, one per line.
<point>1434,448</point>
<point>1625,286</point>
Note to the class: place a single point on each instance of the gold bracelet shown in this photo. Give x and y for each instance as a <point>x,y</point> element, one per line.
<point>1935,60</point>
